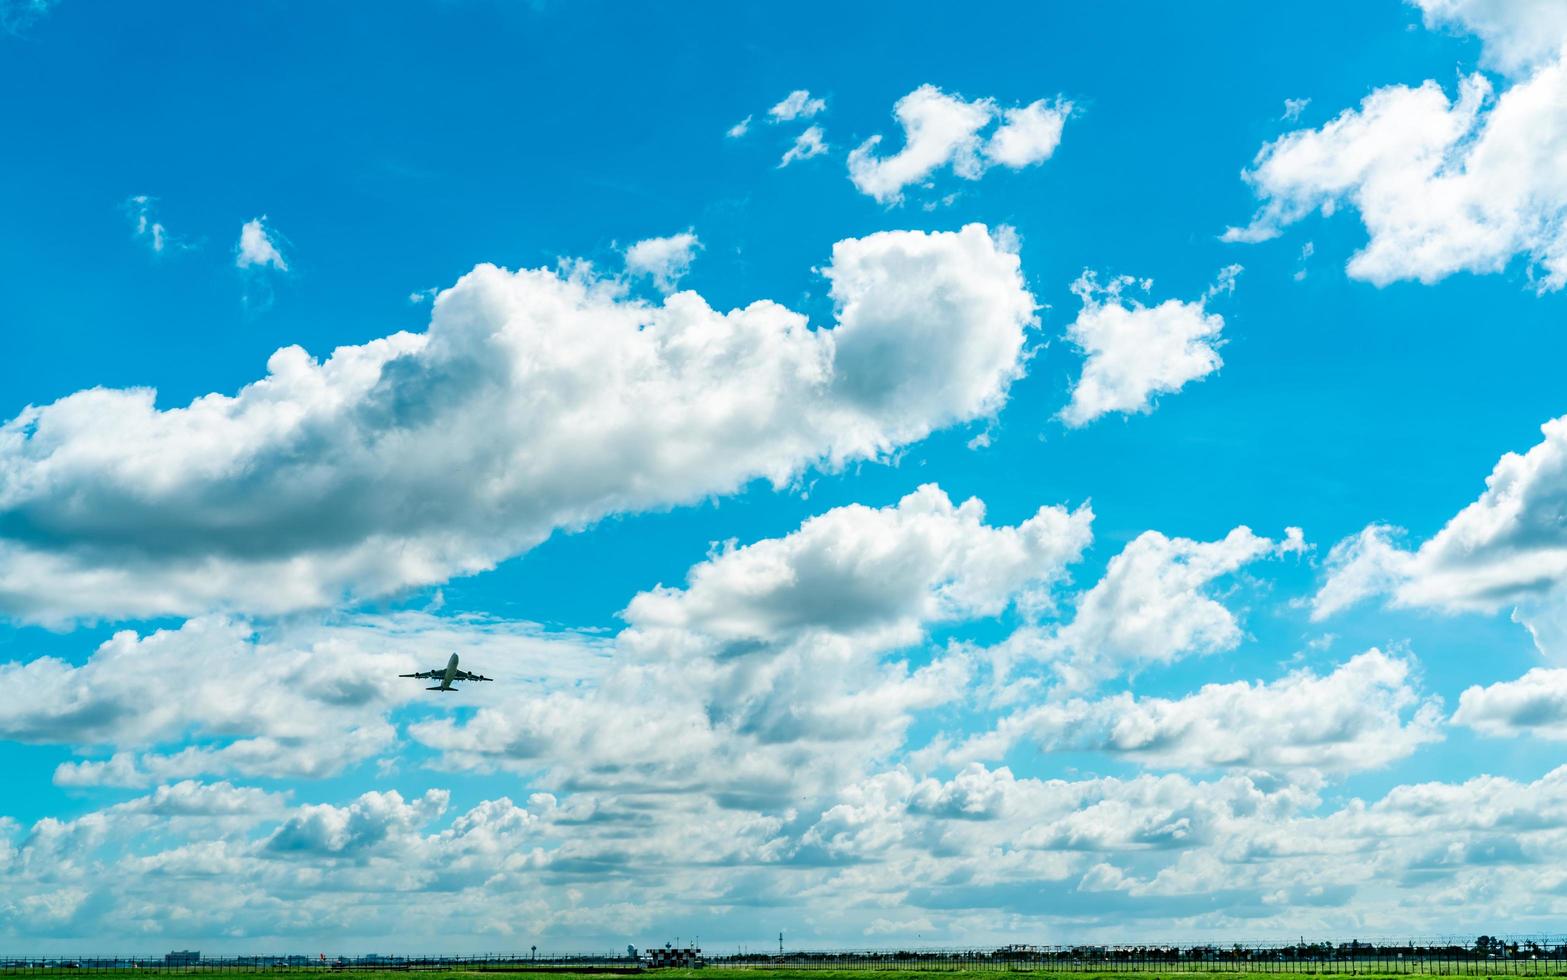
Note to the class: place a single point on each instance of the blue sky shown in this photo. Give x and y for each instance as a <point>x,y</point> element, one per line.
<point>915,474</point>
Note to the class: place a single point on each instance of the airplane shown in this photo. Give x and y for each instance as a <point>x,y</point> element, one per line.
<point>447,674</point>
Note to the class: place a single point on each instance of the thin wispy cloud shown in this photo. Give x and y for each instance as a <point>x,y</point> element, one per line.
<point>18,15</point>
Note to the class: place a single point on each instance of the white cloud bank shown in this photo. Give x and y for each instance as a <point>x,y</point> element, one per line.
<point>941,130</point>
<point>1365,714</point>
<point>1442,185</point>
<point>736,744</point>
<point>768,677</point>
<point>534,402</point>
<point>1133,353</point>
<point>983,853</point>
<point>773,668</point>
<point>294,700</point>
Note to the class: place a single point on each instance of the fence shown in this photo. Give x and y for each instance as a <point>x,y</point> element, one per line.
<point>1539,956</point>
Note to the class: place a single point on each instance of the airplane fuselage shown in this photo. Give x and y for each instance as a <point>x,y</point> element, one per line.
<point>447,675</point>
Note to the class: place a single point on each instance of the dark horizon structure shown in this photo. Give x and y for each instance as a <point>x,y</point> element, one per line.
<point>1485,955</point>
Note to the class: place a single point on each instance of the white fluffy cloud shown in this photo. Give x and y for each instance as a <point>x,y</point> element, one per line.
<point>1151,606</point>
<point>807,145</point>
<point>1534,704</point>
<point>1517,35</point>
<point>1369,563</point>
<point>1132,352</point>
<point>1028,134</point>
<point>362,825</point>
<point>982,852</point>
<point>797,105</point>
<point>1442,185</point>
<point>859,570</point>
<point>294,700</point>
<point>1507,549</point>
<point>942,130</point>
<point>257,247</point>
<point>534,402</point>
<point>767,675</point>
<point>665,260</point>
<point>775,667</point>
<point>1365,714</point>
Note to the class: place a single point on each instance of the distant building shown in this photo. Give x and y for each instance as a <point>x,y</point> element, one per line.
<point>681,956</point>
<point>182,957</point>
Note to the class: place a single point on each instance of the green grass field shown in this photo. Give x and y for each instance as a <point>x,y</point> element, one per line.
<point>1369,970</point>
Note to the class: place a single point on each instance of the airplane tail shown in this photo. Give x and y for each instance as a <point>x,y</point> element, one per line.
<point>438,688</point>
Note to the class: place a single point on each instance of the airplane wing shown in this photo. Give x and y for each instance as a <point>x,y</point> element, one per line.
<point>425,674</point>
<point>463,675</point>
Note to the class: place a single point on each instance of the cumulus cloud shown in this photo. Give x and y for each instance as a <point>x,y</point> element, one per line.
<point>369,867</point>
<point>1004,830</point>
<point>257,247</point>
<point>797,105</point>
<point>361,826</point>
<point>221,697</point>
<point>1534,704</point>
<point>1506,549</point>
<point>777,666</point>
<point>536,401</point>
<point>1516,35</point>
<point>739,129</point>
<point>1367,564</point>
<point>982,847</point>
<point>54,848</point>
<point>767,673</point>
<point>1027,134</point>
<point>1151,605</point>
<point>1133,353</point>
<point>1442,184</point>
<point>807,145</point>
<point>1365,714</point>
<point>941,130</point>
<point>857,570</point>
<point>665,260</point>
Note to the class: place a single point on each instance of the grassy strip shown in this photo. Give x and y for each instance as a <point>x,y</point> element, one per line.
<point>776,972</point>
